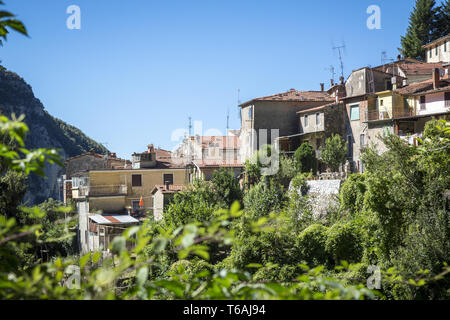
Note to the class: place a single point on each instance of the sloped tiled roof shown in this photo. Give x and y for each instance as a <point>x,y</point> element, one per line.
<point>424,87</point>
<point>295,95</point>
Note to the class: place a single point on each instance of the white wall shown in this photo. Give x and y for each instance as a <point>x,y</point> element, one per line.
<point>434,103</point>
<point>442,56</point>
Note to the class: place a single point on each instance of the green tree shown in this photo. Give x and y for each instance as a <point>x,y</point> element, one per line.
<point>334,153</point>
<point>422,29</point>
<point>196,204</point>
<point>7,23</point>
<point>305,156</point>
<point>226,188</point>
<point>444,19</point>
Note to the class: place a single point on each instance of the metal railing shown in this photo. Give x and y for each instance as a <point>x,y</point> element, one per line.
<point>383,115</point>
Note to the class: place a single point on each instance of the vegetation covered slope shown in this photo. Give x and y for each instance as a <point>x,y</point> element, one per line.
<point>46,131</point>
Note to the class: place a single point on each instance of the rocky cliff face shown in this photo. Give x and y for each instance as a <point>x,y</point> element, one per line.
<point>16,96</point>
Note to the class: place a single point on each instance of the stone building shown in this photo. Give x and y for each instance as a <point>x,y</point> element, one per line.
<point>265,119</point>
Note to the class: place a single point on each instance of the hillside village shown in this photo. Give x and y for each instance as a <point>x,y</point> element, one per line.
<point>395,98</point>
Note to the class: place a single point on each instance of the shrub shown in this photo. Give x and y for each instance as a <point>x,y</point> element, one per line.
<point>226,188</point>
<point>344,242</point>
<point>334,152</point>
<point>311,245</point>
<point>262,199</point>
<point>305,156</point>
<point>352,193</point>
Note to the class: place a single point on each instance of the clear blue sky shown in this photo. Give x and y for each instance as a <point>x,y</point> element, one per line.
<point>138,69</point>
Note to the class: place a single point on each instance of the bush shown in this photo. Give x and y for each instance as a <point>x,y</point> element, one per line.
<point>311,245</point>
<point>305,156</point>
<point>344,242</point>
<point>352,193</point>
<point>263,199</point>
<point>334,152</point>
<point>226,188</point>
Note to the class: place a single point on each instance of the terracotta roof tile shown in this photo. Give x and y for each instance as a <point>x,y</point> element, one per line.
<point>295,95</point>
<point>424,87</point>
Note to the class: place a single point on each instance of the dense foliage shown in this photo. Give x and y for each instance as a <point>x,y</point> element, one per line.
<point>305,157</point>
<point>334,153</point>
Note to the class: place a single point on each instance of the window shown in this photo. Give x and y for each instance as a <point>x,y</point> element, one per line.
<point>168,178</point>
<point>431,52</point>
<point>317,119</point>
<point>422,103</point>
<point>306,120</point>
<point>362,142</point>
<point>354,112</point>
<point>445,46</point>
<point>437,48</point>
<point>136,180</point>
<point>135,205</point>
<point>250,112</point>
<point>381,102</point>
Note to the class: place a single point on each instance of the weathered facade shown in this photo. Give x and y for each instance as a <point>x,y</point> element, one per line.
<point>265,119</point>
<point>438,50</point>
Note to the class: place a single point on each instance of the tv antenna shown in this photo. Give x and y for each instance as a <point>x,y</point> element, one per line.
<point>228,121</point>
<point>332,71</point>
<point>384,59</point>
<point>238,104</point>
<point>190,126</point>
<point>340,50</point>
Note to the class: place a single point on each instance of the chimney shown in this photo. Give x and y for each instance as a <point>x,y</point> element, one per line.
<point>399,57</point>
<point>332,82</point>
<point>341,79</point>
<point>150,148</point>
<point>436,78</point>
<point>322,86</point>
<point>113,155</point>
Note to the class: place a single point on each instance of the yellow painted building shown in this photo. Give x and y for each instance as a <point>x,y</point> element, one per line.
<point>112,191</point>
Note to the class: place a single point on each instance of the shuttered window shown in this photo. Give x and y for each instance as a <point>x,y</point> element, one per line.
<point>168,178</point>
<point>136,180</point>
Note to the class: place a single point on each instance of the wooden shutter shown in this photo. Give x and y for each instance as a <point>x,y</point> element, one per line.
<point>136,180</point>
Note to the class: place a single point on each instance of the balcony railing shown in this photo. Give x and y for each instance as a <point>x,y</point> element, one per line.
<point>99,191</point>
<point>383,115</point>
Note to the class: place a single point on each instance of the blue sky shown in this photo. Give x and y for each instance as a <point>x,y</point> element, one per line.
<point>138,69</point>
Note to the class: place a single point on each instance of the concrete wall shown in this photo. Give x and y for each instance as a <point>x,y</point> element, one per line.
<point>158,205</point>
<point>281,115</point>
<point>150,178</point>
<point>312,123</point>
<point>434,103</point>
<point>358,84</point>
<point>355,128</point>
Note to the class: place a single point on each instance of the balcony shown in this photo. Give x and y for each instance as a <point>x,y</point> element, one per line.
<point>384,115</point>
<point>102,191</point>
